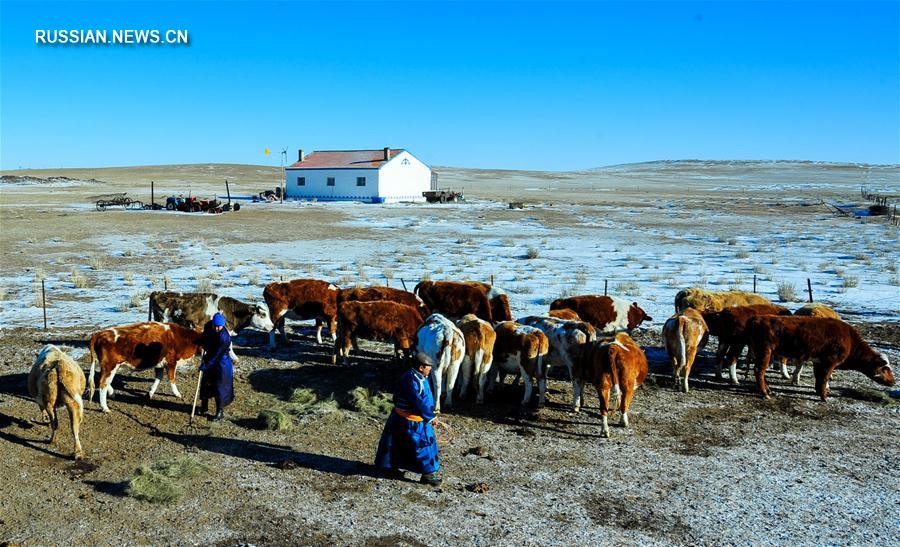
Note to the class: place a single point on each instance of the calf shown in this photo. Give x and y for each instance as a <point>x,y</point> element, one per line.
<point>566,338</point>
<point>479,357</point>
<point>373,294</point>
<point>829,343</point>
<point>564,313</point>
<point>520,349</point>
<point>194,310</point>
<point>607,314</point>
<point>615,369</point>
<point>56,381</point>
<point>498,299</point>
<point>141,346</point>
<point>683,334</point>
<point>729,325</point>
<point>302,299</point>
<point>443,346</point>
<point>453,299</point>
<point>379,320</point>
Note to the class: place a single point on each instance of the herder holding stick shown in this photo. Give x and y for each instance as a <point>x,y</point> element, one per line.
<point>217,368</point>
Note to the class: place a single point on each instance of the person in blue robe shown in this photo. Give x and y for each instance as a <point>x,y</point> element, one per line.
<point>217,368</point>
<point>408,442</point>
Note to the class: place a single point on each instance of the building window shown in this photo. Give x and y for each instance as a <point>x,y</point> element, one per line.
<point>360,181</point>
<point>301,181</point>
<point>330,181</point>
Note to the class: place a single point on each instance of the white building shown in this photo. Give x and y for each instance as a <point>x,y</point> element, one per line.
<point>369,175</point>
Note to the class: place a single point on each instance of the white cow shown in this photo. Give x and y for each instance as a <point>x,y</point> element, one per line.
<point>565,338</point>
<point>443,346</point>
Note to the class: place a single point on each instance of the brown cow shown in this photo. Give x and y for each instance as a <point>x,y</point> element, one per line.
<point>454,300</point>
<point>607,314</point>
<point>565,314</point>
<point>140,346</point>
<point>829,343</point>
<point>615,369</point>
<point>729,325</point>
<point>373,294</point>
<point>302,299</point>
<point>379,320</point>
<point>498,299</point>
<point>683,334</point>
<point>480,338</point>
<point>56,381</point>
<point>521,349</point>
<point>194,310</point>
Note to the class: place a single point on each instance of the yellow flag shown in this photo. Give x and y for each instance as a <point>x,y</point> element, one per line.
<point>267,151</point>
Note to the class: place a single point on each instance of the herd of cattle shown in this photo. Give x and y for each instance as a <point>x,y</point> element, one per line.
<point>467,328</point>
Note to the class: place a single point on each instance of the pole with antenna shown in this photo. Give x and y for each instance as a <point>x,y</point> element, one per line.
<point>283,185</point>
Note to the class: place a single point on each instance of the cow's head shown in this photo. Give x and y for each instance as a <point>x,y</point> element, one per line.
<point>636,316</point>
<point>882,372</point>
<point>260,319</point>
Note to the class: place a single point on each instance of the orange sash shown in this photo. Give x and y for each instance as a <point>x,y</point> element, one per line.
<point>408,415</point>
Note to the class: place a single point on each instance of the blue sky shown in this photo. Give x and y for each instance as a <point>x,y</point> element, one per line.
<point>519,85</point>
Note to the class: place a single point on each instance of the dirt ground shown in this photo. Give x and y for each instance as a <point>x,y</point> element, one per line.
<point>716,466</point>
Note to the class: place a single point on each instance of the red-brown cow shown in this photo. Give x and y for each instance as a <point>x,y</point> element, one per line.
<point>565,314</point>
<point>380,320</point>
<point>140,346</point>
<point>615,369</point>
<point>728,326</point>
<point>607,314</point>
<point>376,293</point>
<point>829,343</point>
<point>302,299</point>
<point>497,298</point>
<point>454,300</point>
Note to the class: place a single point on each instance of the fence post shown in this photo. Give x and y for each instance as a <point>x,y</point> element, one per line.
<point>404,284</point>
<point>754,283</point>
<point>44,302</point>
<point>492,280</point>
<point>165,283</point>
<point>605,284</point>
<point>387,281</point>
<point>809,288</point>
<point>152,195</point>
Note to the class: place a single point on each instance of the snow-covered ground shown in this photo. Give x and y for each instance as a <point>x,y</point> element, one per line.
<point>642,253</point>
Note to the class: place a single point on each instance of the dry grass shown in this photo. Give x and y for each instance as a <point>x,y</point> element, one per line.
<point>128,278</point>
<point>154,487</point>
<point>79,280</point>
<point>275,420</point>
<point>96,263</point>
<point>184,467</point>
<point>850,281</point>
<point>377,405</point>
<point>629,288</point>
<point>532,252</point>
<point>787,292</point>
<point>204,285</point>
<point>741,255</point>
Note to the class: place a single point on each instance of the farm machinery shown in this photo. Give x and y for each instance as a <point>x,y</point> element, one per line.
<point>118,200</point>
<point>193,204</point>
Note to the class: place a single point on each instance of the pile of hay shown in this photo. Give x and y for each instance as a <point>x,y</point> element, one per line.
<point>377,405</point>
<point>184,467</point>
<point>306,401</point>
<point>148,485</point>
<point>304,398</point>
<point>274,420</point>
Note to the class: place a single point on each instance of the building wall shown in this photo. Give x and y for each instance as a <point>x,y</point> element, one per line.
<point>404,178</point>
<point>344,188</point>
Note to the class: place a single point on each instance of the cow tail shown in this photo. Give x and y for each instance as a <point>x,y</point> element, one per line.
<point>682,343</point>
<point>479,361</point>
<point>616,392</point>
<point>444,365</point>
<point>91,376</point>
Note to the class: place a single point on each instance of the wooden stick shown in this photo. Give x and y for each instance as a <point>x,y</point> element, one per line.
<point>44,301</point>
<point>404,285</point>
<point>196,396</point>
<point>809,288</point>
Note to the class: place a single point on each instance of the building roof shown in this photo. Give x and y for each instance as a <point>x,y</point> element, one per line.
<point>344,159</point>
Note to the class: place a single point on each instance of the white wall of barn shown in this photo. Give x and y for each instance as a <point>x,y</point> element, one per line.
<point>345,186</point>
<point>404,178</point>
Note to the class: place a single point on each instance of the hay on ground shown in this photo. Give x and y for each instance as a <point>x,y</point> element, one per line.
<point>304,398</point>
<point>151,486</point>
<point>377,405</point>
<point>181,468</point>
<point>275,420</point>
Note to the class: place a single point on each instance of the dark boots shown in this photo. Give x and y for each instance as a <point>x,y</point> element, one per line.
<point>431,479</point>
<point>220,411</point>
